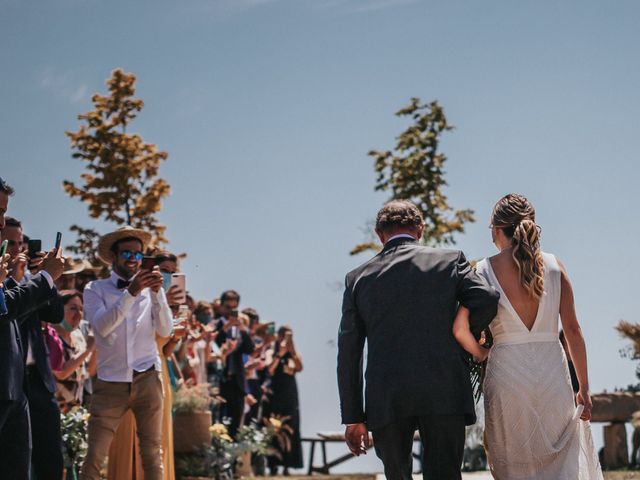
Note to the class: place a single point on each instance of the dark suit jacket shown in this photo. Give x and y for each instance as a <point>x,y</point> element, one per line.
<point>20,300</point>
<point>403,302</point>
<point>52,311</point>
<point>234,368</point>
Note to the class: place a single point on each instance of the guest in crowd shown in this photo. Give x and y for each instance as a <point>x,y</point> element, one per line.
<point>21,298</point>
<point>284,362</point>
<point>124,453</point>
<point>79,362</point>
<point>232,387</point>
<point>44,413</point>
<point>126,312</point>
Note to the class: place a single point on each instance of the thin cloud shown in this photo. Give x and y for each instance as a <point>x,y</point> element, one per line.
<point>373,5</point>
<point>358,6</point>
<point>63,85</point>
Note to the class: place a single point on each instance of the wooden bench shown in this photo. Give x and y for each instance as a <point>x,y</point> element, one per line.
<point>322,439</point>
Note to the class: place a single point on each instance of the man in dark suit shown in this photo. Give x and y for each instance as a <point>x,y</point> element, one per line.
<point>402,303</point>
<point>44,411</point>
<point>21,300</point>
<point>235,336</point>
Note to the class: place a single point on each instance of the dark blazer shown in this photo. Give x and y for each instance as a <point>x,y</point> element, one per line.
<point>403,302</point>
<point>20,300</point>
<point>234,367</point>
<point>52,311</point>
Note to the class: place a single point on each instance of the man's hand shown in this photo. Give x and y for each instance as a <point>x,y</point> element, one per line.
<point>229,346</point>
<point>155,286</point>
<point>53,263</point>
<point>36,262</point>
<point>18,266</point>
<point>584,398</point>
<point>357,438</point>
<point>174,294</point>
<point>145,279</point>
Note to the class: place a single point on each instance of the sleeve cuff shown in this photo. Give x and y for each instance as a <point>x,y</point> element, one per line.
<point>46,275</point>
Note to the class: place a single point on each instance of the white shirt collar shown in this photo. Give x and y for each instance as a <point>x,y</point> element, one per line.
<point>402,235</point>
<point>115,277</point>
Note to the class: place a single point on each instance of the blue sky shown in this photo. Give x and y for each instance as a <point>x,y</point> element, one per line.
<point>268,107</point>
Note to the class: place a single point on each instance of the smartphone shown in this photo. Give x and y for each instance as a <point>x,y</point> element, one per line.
<point>3,249</point>
<point>233,313</point>
<point>148,263</point>
<point>180,280</point>
<point>58,241</point>
<point>35,246</point>
<point>233,333</point>
<point>271,329</point>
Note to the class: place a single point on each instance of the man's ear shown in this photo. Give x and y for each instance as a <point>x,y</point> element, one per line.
<point>420,231</point>
<point>381,236</point>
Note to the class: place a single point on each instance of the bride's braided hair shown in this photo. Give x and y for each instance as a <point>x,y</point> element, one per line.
<point>516,217</point>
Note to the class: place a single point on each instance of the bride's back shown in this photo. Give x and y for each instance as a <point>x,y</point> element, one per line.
<point>508,275</point>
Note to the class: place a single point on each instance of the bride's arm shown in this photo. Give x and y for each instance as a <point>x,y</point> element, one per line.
<point>575,341</point>
<point>465,338</point>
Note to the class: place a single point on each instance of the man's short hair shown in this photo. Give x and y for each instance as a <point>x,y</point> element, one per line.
<point>229,295</point>
<point>12,222</point>
<point>201,306</point>
<point>398,214</point>
<point>5,188</point>
<point>252,314</point>
<point>165,256</point>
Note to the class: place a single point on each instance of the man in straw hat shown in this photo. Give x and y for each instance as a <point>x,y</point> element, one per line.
<point>126,311</point>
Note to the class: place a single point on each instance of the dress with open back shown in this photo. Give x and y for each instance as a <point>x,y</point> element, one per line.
<point>532,428</point>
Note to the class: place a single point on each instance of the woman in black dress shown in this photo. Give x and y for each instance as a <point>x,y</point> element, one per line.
<point>284,362</point>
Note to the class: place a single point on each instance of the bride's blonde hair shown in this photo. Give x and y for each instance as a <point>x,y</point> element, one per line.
<point>516,217</point>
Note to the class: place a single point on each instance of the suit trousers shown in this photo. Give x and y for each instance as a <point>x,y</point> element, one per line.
<point>46,437</point>
<point>442,438</point>
<point>233,409</point>
<point>15,439</point>
<point>109,403</point>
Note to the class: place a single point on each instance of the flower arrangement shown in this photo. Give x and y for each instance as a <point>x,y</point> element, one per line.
<point>218,459</point>
<point>192,399</point>
<point>73,425</point>
<point>279,431</point>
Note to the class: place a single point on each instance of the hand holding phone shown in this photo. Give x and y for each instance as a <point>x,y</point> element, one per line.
<point>180,281</point>
<point>53,264</point>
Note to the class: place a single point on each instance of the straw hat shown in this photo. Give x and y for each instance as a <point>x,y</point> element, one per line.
<point>107,241</point>
<point>72,266</point>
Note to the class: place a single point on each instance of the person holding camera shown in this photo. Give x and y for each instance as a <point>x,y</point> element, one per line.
<point>231,331</point>
<point>23,296</point>
<point>284,363</point>
<point>44,412</point>
<point>126,311</point>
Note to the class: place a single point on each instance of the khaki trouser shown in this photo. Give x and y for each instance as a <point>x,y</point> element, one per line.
<point>109,403</point>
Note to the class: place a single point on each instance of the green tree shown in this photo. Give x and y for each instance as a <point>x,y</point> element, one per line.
<point>414,170</point>
<point>121,184</point>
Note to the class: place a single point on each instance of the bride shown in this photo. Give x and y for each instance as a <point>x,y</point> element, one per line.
<point>534,428</point>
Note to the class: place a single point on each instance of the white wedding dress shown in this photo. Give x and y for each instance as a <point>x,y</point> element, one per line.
<point>532,428</point>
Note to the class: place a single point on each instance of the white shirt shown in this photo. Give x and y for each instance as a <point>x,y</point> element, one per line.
<point>125,328</point>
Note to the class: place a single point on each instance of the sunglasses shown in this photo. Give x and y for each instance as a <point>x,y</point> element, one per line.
<point>128,255</point>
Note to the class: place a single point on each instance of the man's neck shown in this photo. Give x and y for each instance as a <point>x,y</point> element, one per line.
<point>122,275</point>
